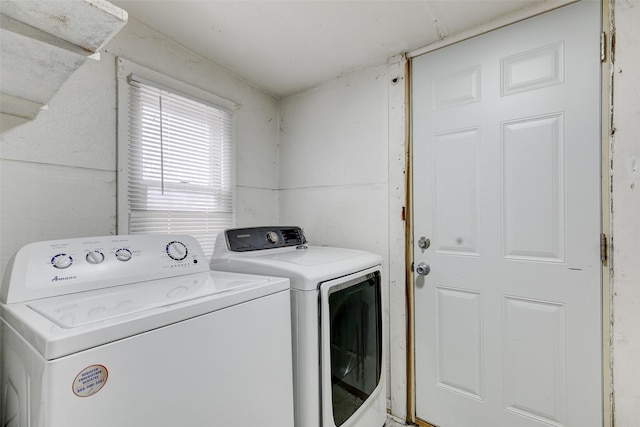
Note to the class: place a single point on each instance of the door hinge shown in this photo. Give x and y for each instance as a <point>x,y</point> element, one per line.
<point>603,248</point>
<point>603,46</point>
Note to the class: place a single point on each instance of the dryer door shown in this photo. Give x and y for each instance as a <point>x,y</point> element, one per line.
<point>351,345</point>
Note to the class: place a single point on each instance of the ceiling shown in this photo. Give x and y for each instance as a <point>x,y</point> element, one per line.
<point>286,47</point>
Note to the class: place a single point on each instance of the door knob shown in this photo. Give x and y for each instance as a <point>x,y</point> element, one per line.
<point>423,269</point>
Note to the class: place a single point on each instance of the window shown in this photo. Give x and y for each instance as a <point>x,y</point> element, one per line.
<point>178,157</point>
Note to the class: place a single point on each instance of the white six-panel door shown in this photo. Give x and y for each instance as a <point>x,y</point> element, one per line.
<point>506,176</point>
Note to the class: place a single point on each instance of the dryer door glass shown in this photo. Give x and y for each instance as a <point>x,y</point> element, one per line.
<point>355,319</point>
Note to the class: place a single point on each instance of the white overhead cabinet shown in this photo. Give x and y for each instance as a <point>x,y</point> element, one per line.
<point>43,42</point>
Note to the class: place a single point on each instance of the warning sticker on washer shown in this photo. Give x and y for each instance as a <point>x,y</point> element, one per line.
<point>90,380</point>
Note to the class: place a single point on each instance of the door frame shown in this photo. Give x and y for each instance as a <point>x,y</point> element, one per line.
<point>606,124</point>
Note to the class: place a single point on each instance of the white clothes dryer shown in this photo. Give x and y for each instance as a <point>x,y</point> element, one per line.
<point>136,331</point>
<point>336,303</point>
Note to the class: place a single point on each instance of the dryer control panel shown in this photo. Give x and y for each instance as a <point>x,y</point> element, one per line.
<point>259,238</point>
<point>60,267</point>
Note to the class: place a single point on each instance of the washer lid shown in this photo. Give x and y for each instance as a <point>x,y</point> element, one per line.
<point>70,323</point>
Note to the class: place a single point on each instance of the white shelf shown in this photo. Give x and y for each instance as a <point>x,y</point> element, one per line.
<point>43,42</point>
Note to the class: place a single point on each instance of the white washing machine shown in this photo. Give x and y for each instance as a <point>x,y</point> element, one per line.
<point>336,303</point>
<point>136,331</point>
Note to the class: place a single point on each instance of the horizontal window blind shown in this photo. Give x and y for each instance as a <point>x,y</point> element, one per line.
<point>179,164</point>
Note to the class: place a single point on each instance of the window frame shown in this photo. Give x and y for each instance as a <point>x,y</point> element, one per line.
<point>126,69</point>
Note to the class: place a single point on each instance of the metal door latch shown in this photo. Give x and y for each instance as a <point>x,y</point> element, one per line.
<point>424,243</point>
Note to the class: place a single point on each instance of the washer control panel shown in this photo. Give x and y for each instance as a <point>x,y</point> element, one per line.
<point>260,238</point>
<point>59,267</point>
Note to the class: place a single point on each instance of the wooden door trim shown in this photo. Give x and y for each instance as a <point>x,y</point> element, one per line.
<point>606,121</point>
<point>410,300</point>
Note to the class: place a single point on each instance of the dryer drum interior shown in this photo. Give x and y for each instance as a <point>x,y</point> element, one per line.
<point>355,322</point>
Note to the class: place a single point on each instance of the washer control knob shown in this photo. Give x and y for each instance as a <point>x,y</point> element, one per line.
<point>94,257</point>
<point>177,250</point>
<point>123,254</point>
<point>272,237</point>
<point>62,261</point>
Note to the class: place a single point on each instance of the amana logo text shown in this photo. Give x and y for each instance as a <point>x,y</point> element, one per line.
<point>58,278</point>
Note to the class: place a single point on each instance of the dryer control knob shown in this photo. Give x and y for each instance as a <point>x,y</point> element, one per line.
<point>62,261</point>
<point>177,250</point>
<point>272,237</point>
<point>123,254</point>
<point>95,257</point>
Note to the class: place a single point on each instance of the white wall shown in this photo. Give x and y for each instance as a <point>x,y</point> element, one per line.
<point>58,172</point>
<point>333,161</point>
<point>342,180</point>
<point>625,214</point>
